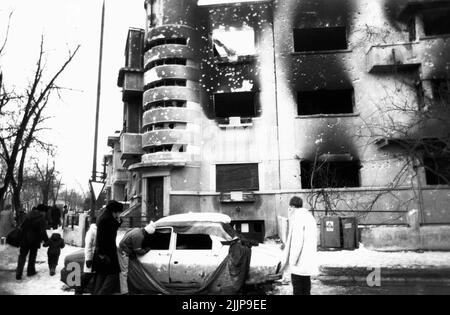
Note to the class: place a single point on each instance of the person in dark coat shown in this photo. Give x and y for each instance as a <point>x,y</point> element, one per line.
<point>54,244</point>
<point>55,214</point>
<point>105,262</point>
<point>33,233</point>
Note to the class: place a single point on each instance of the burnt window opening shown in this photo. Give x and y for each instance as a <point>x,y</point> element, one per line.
<point>160,240</point>
<point>180,148</point>
<point>233,44</point>
<point>167,61</point>
<point>330,102</point>
<point>194,242</point>
<point>166,82</point>
<point>165,104</point>
<point>412,29</point>
<point>441,90</point>
<point>437,169</point>
<point>166,41</point>
<point>436,21</point>
<point>239,104</point>
<point>320,39</point>
<point>237,177</point>
<point>336,174</point>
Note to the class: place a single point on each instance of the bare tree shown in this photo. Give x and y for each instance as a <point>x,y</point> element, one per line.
<point>22,118</point>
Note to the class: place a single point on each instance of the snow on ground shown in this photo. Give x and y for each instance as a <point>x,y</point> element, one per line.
<point>42,283</point>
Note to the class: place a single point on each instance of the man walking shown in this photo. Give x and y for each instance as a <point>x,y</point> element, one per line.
<point>105,262</point>
<point>132,245</point>
<point>34,231</point>
<point>300,252</point>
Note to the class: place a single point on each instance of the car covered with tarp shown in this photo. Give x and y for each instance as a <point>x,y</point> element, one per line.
<point>196,253</point>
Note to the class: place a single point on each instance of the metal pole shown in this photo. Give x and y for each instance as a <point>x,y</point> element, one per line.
<point>99,87</point>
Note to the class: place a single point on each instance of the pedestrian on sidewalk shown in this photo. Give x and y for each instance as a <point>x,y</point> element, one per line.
<point>106,262</point>
<point>300,252</point>
<point>54,244</point>
<point>131,246</point>
<point>34,231</point>
<point>89,248</point>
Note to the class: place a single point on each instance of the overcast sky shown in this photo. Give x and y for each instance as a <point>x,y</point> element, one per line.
<point>65,24</point>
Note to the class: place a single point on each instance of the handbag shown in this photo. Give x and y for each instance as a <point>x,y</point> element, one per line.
<point>14,237</point>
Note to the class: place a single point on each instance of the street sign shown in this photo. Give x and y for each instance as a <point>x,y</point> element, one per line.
<point>97,188</point>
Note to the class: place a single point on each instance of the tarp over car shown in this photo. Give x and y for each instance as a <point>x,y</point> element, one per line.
<point>229,277</point>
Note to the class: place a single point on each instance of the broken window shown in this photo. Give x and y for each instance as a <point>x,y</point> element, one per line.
<point>166,82</point>
<point>194,242</point>
<point>320,39</point>
<point>436,21</point>
<point>165,104</point>
<point>166,41</point>
<point>437,167</point>
<point>230,44</point>
<point>167,61</point>
<point>237,177</point>
<point>335,174</point>
<point>239,104</point>
<point>160,240</point>
<point>325,102</point>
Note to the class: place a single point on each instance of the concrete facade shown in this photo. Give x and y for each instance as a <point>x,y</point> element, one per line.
<point>175,137</point>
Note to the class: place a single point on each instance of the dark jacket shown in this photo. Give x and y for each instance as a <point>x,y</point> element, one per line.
<point>133,242</point>
<point>54,244</point>
<point>105,256</point>
<point>55,215</point>
<point>34,230</point>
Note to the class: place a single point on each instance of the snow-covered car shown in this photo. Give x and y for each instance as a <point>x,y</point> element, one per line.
<point>187,249</point>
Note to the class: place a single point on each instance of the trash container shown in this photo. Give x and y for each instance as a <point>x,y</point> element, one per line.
<point>350,232</point>
<point>331,232</point>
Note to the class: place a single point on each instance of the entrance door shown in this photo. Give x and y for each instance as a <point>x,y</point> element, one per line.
<point>155,198</point>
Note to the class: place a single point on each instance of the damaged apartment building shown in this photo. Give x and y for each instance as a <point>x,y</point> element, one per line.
<point>235,107</point>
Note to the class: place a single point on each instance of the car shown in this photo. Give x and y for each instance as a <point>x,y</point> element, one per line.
<point>187,248</point>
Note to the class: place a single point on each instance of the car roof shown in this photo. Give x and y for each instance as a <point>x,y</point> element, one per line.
<point>189,218</point>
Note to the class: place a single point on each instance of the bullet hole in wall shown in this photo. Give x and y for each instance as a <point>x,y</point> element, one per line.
<point>325,102</point>
<point>320,39</point>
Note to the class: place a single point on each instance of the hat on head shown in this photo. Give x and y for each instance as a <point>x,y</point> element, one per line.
<point>114,206</point>
<point>42,208</point>
<point>150,228</point>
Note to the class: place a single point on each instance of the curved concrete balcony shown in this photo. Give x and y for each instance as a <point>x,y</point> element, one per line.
<point>167,137</point>
<point>131,146</point>
<point>170,158</point>
<point>169,114</point>
<point>170,51</point>
<point>166,93</point>
<point>171,31</point>
<point>171,72</point>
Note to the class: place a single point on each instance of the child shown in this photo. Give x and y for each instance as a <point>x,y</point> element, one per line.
<point>54,244</point>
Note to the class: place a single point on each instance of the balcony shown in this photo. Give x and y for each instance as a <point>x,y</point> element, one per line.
<point>131,146</point>
<point>119,176</point>
<point>167,137</point>
<point>169,114</point>
<point>171,72</point>
<point>391,58</point>
<point>132,82</point>
<point>171,93</point>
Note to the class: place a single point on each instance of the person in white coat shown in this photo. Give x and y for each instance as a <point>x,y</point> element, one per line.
<point>300,251</point>
<point>89,248</point>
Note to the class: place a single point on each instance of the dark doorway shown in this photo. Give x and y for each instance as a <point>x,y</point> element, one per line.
<point>155,198</point>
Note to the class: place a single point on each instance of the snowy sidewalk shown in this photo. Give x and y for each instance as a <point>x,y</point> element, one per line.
<point>42,283</point>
